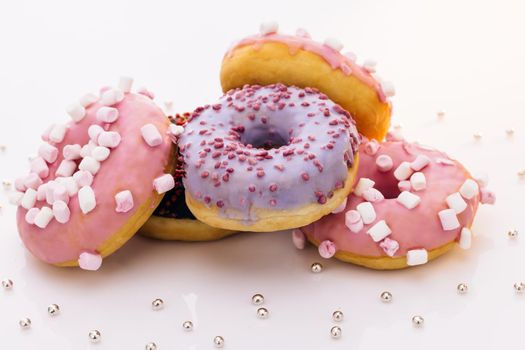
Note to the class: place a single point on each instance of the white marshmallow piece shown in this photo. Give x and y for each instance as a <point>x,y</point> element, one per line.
<point>151,135</point>
<point>89,164</point>
<point>70,184</point>
<point>371,147</point>
<point>449,220</point>
<point>379,231</point>
<point>48,152</point>
<point>57,133</point>
<point>107,114</point>
<point>469,189</point>
<point>66,168</point>
<point>39,166</point>
<point>125,84</point>
<point>334,44</point>
<point>109,139</point>
<point>100,153</point>
<point>93,131</point>
<point>87,100</point>
<point>15,198</point>
<point>403,171</point>
<point>363,185</point>
<point>268,28</point>
<point>340,208</point>
<point>372,195</point>
<point>111,97</point>
<point>44,217</point>
<point>417,257</point>
<point>76,111</point>
<point>418,181</point>
<point>72,152</point>
<point>456,202</point>
<point>367,211</point>
<point>384,163</point>
<point>61,212</point>
<point>31,215</point>
<point>86,150</point>
<point>124,201</point>
<point>370,65</point>
<point>86,199</point>
<point>420,162</point>
<point>404,186</point>
<point>83,178</point>
<point>298,239</point>
<point>164,183</point>
<point>89,262</point>
<point>29,199</point>
<point>32,181</point>
<point>465,239</point>
<point>353,221</point>
<point>175,130</point>
<point>388,88</point>
<point>408,199</point>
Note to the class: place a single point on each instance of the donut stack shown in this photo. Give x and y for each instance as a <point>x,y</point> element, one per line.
<point>297,142</point>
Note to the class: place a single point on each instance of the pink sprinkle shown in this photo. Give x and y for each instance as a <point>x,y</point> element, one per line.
<point>272,202</point>
<point>273,187</point>
<point>251,188</point>
<point>89,261</point>
<point>164,183</point>
<point>487,196</point>
<point>305,176</point>
<point>151,135</point>
<point>390,246</point>
<point>260,173</point>
<point>298,238</point>
<point>61,211</point>
<point>39,166</point>
<point>327,249</point>
<point>124,200</point>
<point>220,204</point>
<point>205,174</point>
<point>48,153</point>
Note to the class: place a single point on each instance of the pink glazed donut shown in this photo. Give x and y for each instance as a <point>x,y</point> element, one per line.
<point>96,179</point>
<point>411,204</point>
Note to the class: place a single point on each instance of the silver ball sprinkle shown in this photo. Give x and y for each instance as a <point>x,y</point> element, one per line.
<point>519,287</point>
<point>94,336</point>
<point>477,135</point>
<point>513,233</point>
<point>7,185</point>
<point>509,132</point>
<point>7,284</point>
<point>462,288</point>
<point>336,332</point>
<point>24,323</point>
<point>262,313</point>
<point>53,310</point>
<point>386,297</point>
<point>257,299</point>
<point>521,174</point>
<point>151,346</point>
<point>418,321</point>
<point>316,267</point>
<point>337,316</point>
<point>218,341</point>
<point>187,326</point>
<point>440,114</point>
<point>157,304</point>
<point>3,148</point>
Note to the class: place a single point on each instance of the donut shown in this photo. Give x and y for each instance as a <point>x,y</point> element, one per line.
<point>96,179</point>
<point>410,205</point>
<point>172,220</point>
<point>298,60</point>
<point>268,158</point>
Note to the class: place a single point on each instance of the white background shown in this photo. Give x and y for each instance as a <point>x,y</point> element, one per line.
<point>466,57</point>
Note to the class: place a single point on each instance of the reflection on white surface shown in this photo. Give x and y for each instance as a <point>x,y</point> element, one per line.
<point>456,56</point>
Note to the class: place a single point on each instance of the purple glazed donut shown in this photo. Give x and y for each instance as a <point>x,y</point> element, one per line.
<point>268,158</point>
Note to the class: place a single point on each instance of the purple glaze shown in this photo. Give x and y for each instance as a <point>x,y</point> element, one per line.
<point>272,147</point>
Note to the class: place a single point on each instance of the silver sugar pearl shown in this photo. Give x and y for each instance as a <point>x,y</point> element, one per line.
<point>418,321</point>
<point>25,323</point>
<point>187,326</point>
<point>316,267</point>
<point>521,174</point>
<point>440,114</point>
<point>386,297</point>
<point>3,148</point>
<point>94,336</point>
<point>257,299</point>
<point>53,309</point>
<point>7,185</point>
<point>218,341</point>
<point>462,288</point>
<point>7,284</point>
<point>336,332</point>
<point>513,233</point>
<point>509,132</point>
<point>151,346</point>
<point>477,135</point>
<point>338,316</point>
<point>262,313</point>
<point>157,304</point>
<point>519,287</point>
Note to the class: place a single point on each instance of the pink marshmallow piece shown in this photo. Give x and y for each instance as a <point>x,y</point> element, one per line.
<point>327,249</point>
<point>371,147</point>
<point>32,181</point>
<point>31,215</point>
<point>164,183</point>
<point>83,178</point>
<point>61,211</point>
<point>384,163</point>
<point>48,152</point>
<point>151,135</point>
<point>124,200</point>
<point>298,238</point>
<point>66,168</point>
<point>110,139</point>
<point>72,152</point>
<point>107,114</point>
<point>39,166</point>
<point>353,221</point>
<point>20,184</point>
<point>89,261</point>
<point>373,195</point>
<point>487,196</point>
<point>60,193</point>
<point>389,246</point>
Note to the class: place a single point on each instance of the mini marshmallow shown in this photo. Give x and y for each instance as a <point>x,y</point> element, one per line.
<point>111,97</point>
<point>41,192</point>
<point>29,199</point>
<point>444,161</point>
<point>15,198</point>
<point>107,114</point>
<point>93,131</point>
<point>417,257</point>
<point>45,135</point>
<point>48,152</point>
<point>124,200</point>
<point>87,100</point>
<point>70,184</point>
<point>125,84</point>
<point>61,211</point>
<point>469,189</point>
<point>109,139</point>
<point>403,171</point>
<point>298,238</point>
<point>44,217</point>
<point>66,168</point>
<point>32,181</point>
<point>164,183</point>
<point>72,152</point>
<point>100,153</point>
<point>19,183</point>
<point>86,150</point>
<point>151,135</point>
<point>341,207</point>
<point>89,164</point>
<point>175,130</point>
<point>388,88</point>
<point>76,111</point>
<point>449,220</point>
<point>303,33</point>
<point>89,262</point>
<point>31,215</point>
<point>39,166</point>
<point>327,249</point>
<point>379,231</point>
<point>353,221</point>
<point>50,191</point>
<point>57,133</point>
<point>367,211</point>
<point>408,199</point>
<point>371,147</point>
<point>268,28</point>
<point>487,196</point>
<point>144,91</point>
<point>370,65</point>
<point>389,246</point>
<point>420,162</point>
<point>465,238</point>
<point>404,186</point>
<point>83,178</point>
<point>456,202</point>
<point>363,185</point>
<point>334,44</point>
<point>351,56</point>
<point>86,199</point>
<point>59,194</point>
<point>373,195</point>
<point>384,163</point>
<point>418,181</point>
<point>482,179</point>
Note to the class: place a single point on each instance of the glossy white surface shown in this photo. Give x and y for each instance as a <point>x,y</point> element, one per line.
<point>464,57</point>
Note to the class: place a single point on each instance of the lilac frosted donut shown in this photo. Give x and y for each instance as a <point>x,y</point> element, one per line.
<point>268,158</point>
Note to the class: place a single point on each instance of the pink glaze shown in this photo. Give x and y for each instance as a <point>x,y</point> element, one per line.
<point>132,165</point>
<point>415,228</point>
<point>334,58</point>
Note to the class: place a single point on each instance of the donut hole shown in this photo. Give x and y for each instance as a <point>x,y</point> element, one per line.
<point>266,137</point>
<point>387,185</point>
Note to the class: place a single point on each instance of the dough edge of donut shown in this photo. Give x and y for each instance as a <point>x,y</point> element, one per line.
<point>189,230</point>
